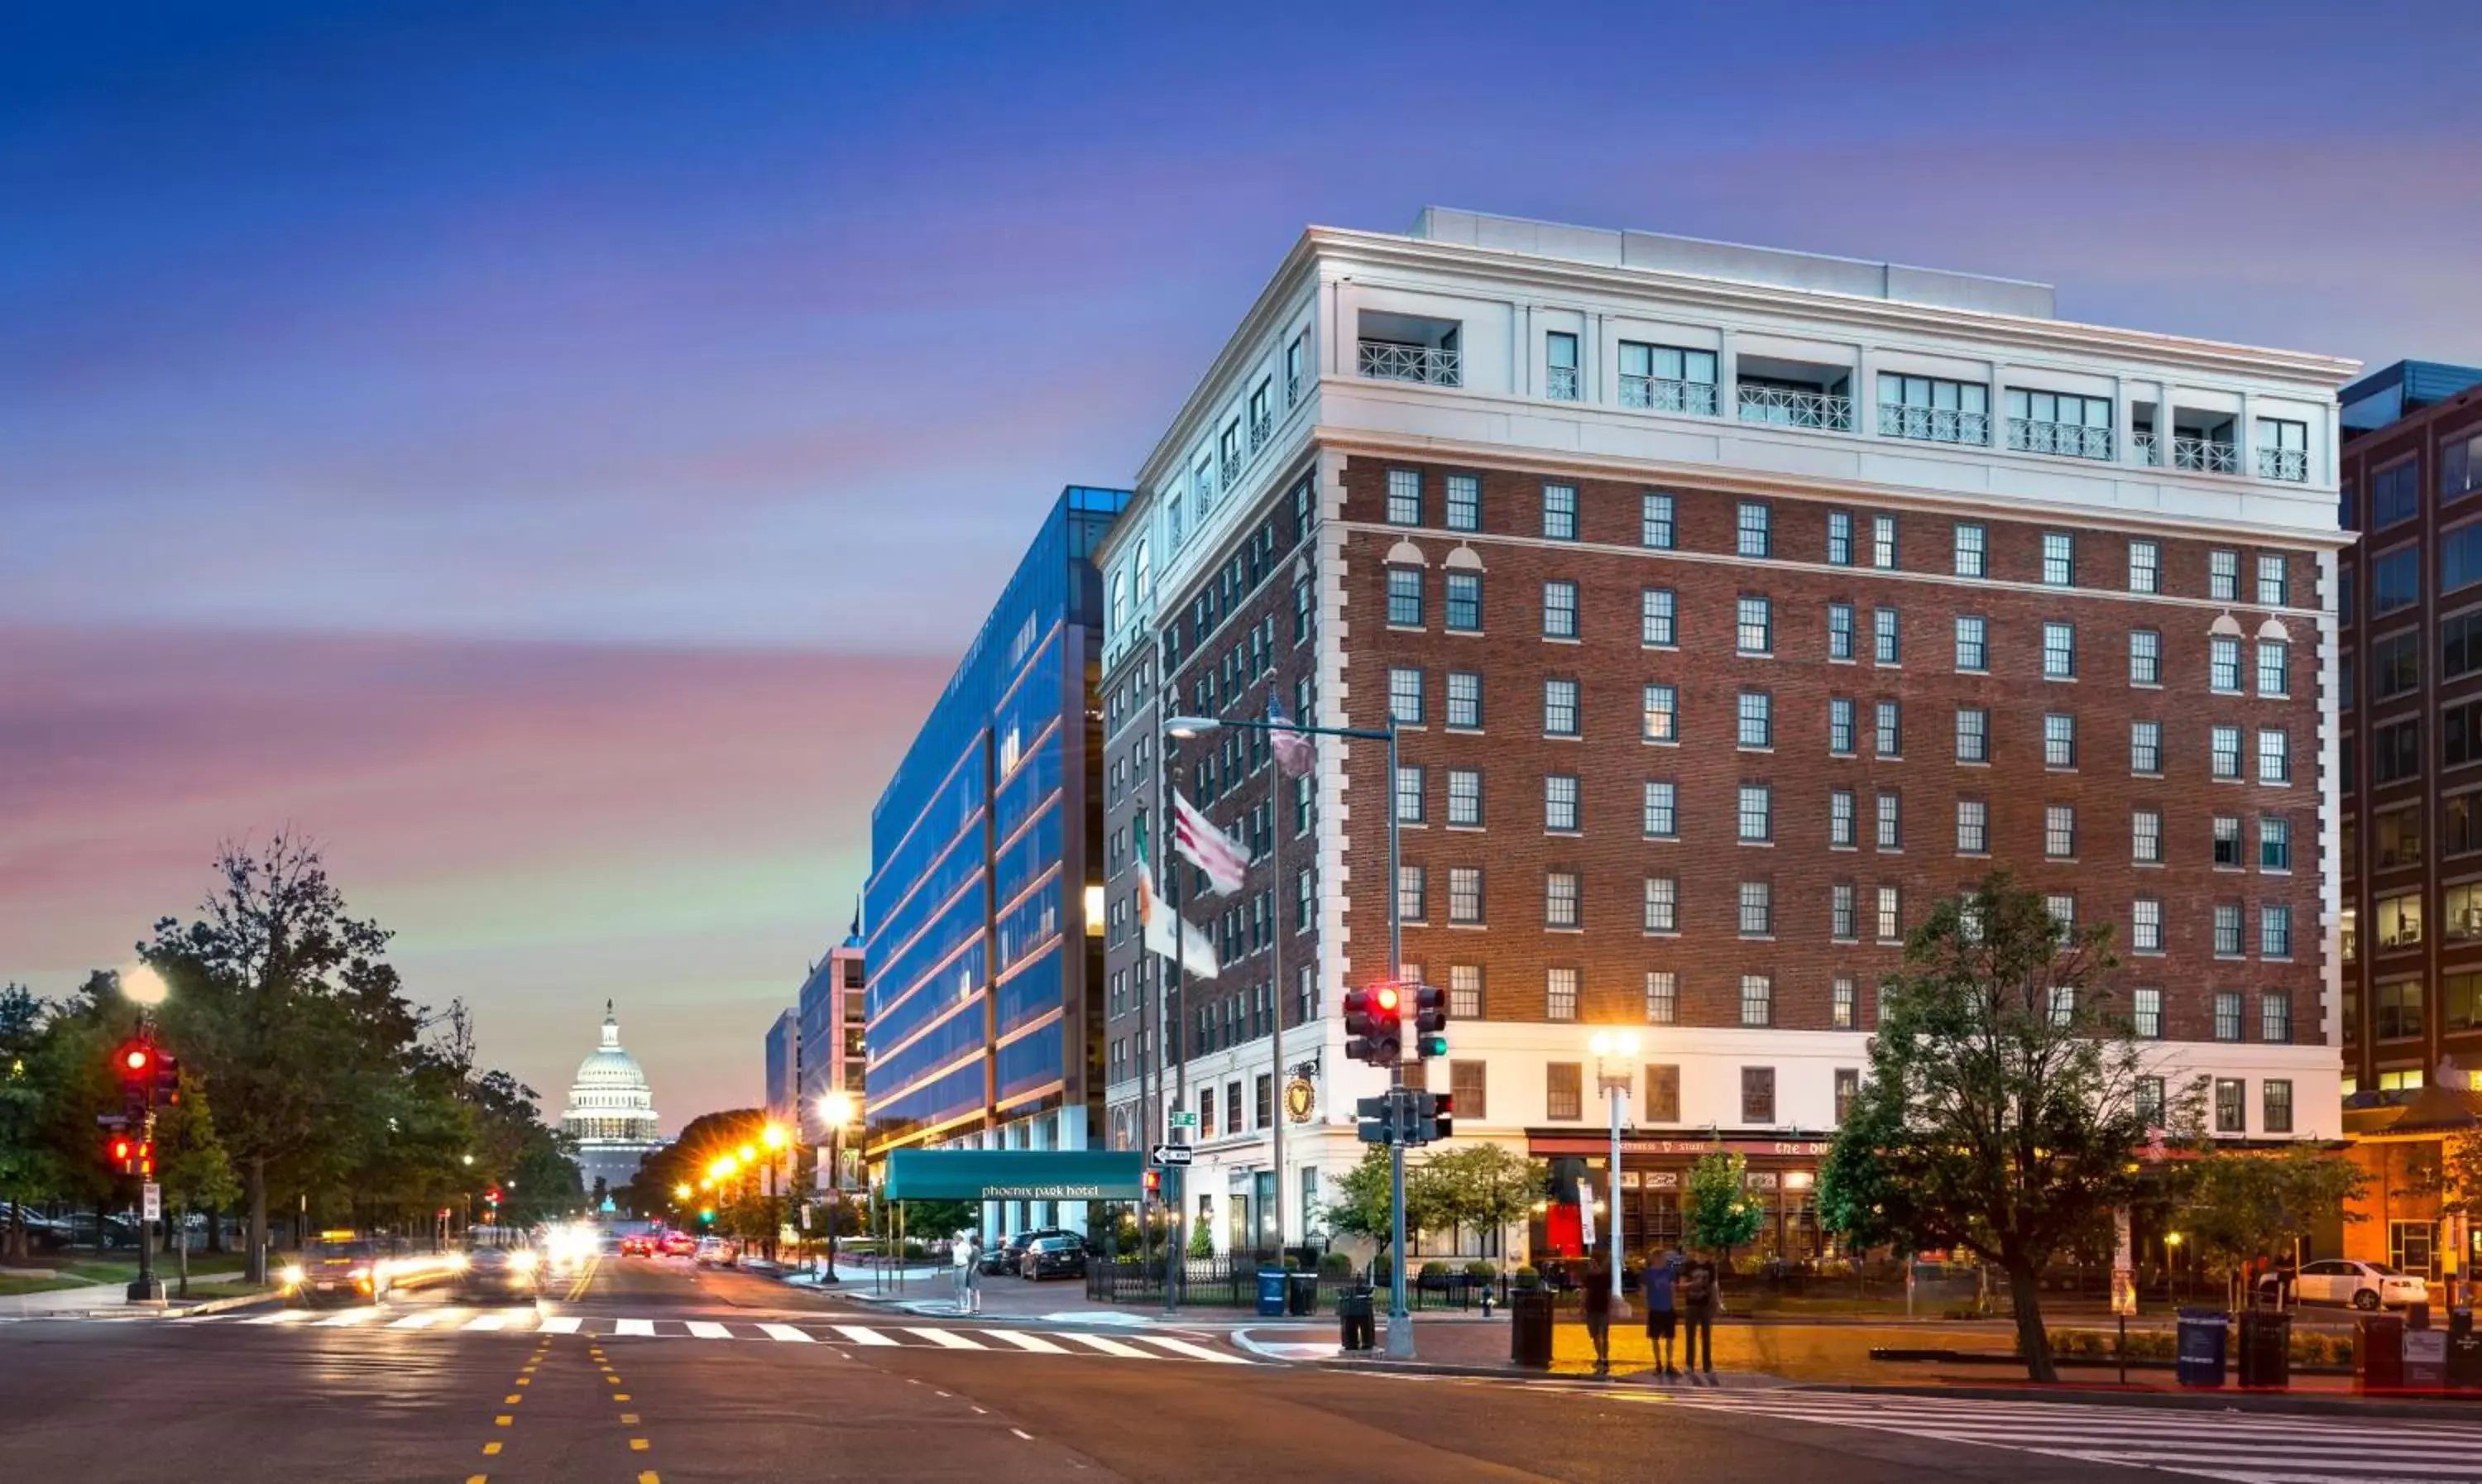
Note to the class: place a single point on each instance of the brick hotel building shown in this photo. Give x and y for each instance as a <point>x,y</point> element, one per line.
<point>1733,605</point>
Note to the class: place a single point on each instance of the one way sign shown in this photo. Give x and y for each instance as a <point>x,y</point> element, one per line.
<point>1172,1154</point>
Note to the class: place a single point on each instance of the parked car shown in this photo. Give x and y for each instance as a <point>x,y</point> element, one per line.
<point>1009,1256</point>
<point>2366,1286</point>
<point>1054,1257</point>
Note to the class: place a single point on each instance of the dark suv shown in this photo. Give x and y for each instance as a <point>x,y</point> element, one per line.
<point>1008,1257</point>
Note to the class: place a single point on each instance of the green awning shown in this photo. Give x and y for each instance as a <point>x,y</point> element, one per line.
<point>1015,1175</point>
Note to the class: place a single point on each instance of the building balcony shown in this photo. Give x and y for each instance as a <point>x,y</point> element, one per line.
<point>1786,407</point>
<point>1933,424</point>
<point>2141,444</point>
<point>2291,465</point>
<point>2206,455</point>
<point>2068,440</point>
<point>1260,427</point>
<point>1663,394</point>
<point>1560,383</point>
<point>1386,361</point>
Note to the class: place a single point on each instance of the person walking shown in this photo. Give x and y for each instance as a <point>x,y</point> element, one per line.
<point>1655,1290</point>
<point>1597,1301</point>
<point>1700,1298</point>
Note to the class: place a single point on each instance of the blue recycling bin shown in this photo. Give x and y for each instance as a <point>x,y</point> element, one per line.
<point>2201,1335</point>
<point>1271,1292</point>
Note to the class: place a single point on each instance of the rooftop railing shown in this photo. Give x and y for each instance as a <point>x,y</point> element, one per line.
<point>2208,456</point>
<point>1388,361</point>
<point>1663,394</point>
<point>1934,424</point>
<point>2067,440</point>
<point>1789,408</point>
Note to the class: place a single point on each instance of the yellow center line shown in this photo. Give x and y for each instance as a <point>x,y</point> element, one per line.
<point>503,1421</point>
<point>637,1445</point>
<point>646,1478</point>
<point>619,1396</point>
<point>490,1449</point>
<point>511,1400</point>
<point>478,1479</point>
<point>628,1420</point>
<point>525,1381</point>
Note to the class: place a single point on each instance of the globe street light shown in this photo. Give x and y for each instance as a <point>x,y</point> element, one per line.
<point>140,985</point>
<point>1615,1065</point>
<point>836,1110</point>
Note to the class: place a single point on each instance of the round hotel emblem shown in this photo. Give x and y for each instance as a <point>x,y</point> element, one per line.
<point>1301,1100</point>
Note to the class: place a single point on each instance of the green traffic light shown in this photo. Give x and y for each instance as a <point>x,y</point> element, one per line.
<point>1433,1046</point>
<point>706,1213</point>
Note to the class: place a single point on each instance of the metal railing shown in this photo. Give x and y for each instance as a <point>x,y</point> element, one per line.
<point>1259,427</point>
<point>1388,361</point>
<point>2143,445</point>
<point>2069,439</point>
<point>1560,383</point>
<point>1292,389</point>
<point>2212,456</point>
<point>2285,463</point>
<point>1663,394</point>
<point>1797,409</point>
<point>1933,424</point>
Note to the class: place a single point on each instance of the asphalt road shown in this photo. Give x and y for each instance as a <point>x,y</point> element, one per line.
<point>651,1371</point>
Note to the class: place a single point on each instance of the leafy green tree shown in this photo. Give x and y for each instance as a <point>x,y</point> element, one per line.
<point>2005,1099</point>
<point>191,1164</point>
<point>1485,1188</point>
<point>2238,1205</point>
<point>1717,1213</point>
<point>1364,1205</point>
<point>25,1163</point>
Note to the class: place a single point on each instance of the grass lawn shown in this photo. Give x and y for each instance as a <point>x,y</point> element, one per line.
<point>168,1264</point>
<point>18,1283</point>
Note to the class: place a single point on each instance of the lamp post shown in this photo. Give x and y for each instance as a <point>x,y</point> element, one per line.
<point>775,1138</point>
<point>1400,1320</point>
<point>141,985</point>
<point>1615,1065</point>
<point>837,1109</point>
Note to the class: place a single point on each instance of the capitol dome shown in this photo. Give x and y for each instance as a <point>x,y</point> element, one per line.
<point>611,1111</point>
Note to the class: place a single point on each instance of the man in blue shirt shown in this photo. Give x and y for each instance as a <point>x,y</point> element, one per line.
<point>1661,1314</point>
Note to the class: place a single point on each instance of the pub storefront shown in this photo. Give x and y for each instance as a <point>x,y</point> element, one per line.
<point>1782,1177</point>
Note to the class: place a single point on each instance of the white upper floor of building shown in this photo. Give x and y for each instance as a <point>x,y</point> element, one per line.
<point>1491,338</point>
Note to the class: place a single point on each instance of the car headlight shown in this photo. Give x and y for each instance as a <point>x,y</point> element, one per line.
<point>457,1263</point>
<point>523,1261</point>
<point>292,1275</point>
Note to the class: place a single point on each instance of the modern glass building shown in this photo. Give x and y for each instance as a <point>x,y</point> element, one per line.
<point>985,931</point>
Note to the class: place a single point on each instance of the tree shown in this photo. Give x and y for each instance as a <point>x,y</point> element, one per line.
<point>190,1162</point>
<point>24,1164</point>
<point>2240,1205</point>
<point>2004,1101</point>
<point>1365,1204</point>
<point>1484,1187</point>
<point>1718,1214</point>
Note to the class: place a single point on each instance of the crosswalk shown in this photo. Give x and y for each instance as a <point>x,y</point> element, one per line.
<point>444,1319</point>
<point>2242,1446</point>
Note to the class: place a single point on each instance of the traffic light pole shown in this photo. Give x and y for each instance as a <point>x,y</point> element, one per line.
<point>1400,1320</point>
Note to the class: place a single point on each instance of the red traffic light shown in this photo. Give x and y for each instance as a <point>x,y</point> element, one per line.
<point>1386,997</point>
<point>1154,1181</point>
<point>493,1195</point>
<point>134,1060</point>
<point>124,1150</point>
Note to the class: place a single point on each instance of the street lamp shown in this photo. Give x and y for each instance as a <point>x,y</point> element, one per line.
<point>140,985</point>
<point>836,1110</point>
<point>1615,1063</point>
<point>1400,1319</point>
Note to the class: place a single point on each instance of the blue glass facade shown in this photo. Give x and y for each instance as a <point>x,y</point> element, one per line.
<point>982,997</point>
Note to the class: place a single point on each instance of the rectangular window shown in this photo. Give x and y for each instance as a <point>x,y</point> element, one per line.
<point>2277,1094</point>
<point>1661,821</point>
<point>1405,596</point>
<point>1839,631</point>
<point>1559,610</point>
<point>1968,551</point>
<point>2224,665</point>
<point>2460,466</point>
<point>1839,818</point>
<point>1404,497</point>
<point>2231,1110</point>
<point>2395,581</point>
<point>2227,945</point>
<point>1655,520</point>
<point>1752,525</point>
<point>1560,801</point>
<point>1839,725</point>
<point>2146,836</point>
<point>1972,827</point>
<point>1890,820</point>
<point>1560,899</point>
<point>2147,1102</point>
<point>2145,748</point>
<point>2396,659</point>
<point>2060,831</point>
<point>2274,587</point>
<point>2059,651</point>
<point>1465,700</point>
<point>1563,1096</point>
<point>1841,1007</point>
<point>2223,576</point>
<point>1464,894</point>
<point>1654,617</point>
<point>2145,566</point>
<point>1465,502</point>
<point>2059,559</point>
<point>2224,751</point>
<point>1758,909</point>
<point>2146,925</point>
<point>2274,667</point>
<point>1972,734</point>
<point>1757,812</point>
<point>1560,997</point>
<point>1409,795</point>
<point>1755,631</point>
<point>1662,998</point>
<point>1662,904</point>
<point>2228,1015</point>
<point>2145,657</point>
<point>1465,797</point>
<point>2059,741</point>
<point>1758,1095</point>
<point>1848,1090</point>
<point>1560,512</point>
<point>2145,1014</point>
<point>1839,538</point>
<point>1662,718</point>
<point>1405,696</point>
<point>2396,752</point>
<point>1757,720</point>
<point>1844,914</point>
<point>2274,843</point>
<point>1890,729</point>
<point>2273,756</point>
<point>1560,366</point>
<point>1413,903</point>
<point>1890,914</point>
<point>2274,931</point>
<point>1465,994</point>
<point>1464,603</point>
<point>1887,646</point>
<point>1757,1000</point>
<point>1972,646</point>
<point>2275,1017</point>
<point>1560,708</point>
<point>1883,543</point>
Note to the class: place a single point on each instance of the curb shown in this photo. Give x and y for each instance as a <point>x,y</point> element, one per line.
<point>2173,1401</point>
<point>222,1305</point>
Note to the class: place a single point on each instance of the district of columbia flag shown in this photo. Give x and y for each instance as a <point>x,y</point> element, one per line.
<point>1203,846</point>
<point>1163,935</point>
<point>1292,746</point>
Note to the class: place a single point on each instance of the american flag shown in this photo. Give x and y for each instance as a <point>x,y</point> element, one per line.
<point>1292,746</point>
<point>1203,846</point>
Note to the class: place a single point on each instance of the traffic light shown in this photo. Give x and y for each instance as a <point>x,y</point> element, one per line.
<point>167,1079</point>
<point>135,1060</point>
<point>1444,1116</point>
<point>1429,1021</point>
<point>1375,1123</point>
<point>1374,1024</point>
<point>1154,1183</point>
<point>122,1150</point>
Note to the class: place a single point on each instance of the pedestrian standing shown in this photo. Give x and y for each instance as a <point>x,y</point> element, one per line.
<point>1662,1276</point>
<point>1597,1303</point>
<point>968,1255</point>
<point>1699,1301</point>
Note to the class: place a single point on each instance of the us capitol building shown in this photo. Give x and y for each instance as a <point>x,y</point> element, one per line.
<point>611,1113</point>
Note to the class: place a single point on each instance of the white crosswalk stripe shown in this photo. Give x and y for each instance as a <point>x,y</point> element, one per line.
<point>1025,1341</point>
<point>860,1335</point>
<point>708,1329</point>
<point>561,1324</point>
<point>947,1339</point>
<point>1107,1345</point>
<point>350,1316</point>
<point>635,1327</point>
<point>2244,1448</point>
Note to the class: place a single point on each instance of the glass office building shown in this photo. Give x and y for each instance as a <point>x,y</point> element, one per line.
<point>985,1023</point>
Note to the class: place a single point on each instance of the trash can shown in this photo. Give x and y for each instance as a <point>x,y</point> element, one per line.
<point>2425,1359</point>
<point>2266,1349</point>
<point>2378,1354</point>
<point>1302,1291</point>
<point>1271,1293</point>
<point>1358,1329</point>
<point>1529,1328</point>
<point>2201,1336</point>
<point>2463,1353</point>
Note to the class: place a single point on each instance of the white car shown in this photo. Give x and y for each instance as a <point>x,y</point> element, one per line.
<point>2366,1286</point>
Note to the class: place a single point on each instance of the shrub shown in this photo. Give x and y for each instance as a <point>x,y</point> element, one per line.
<point>1480,1271</point>
<point>1335,1264</point>
<point>1434,1270</point>
<point>1527,1276</point>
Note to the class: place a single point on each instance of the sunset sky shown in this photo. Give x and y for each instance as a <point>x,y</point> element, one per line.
<point>552,455</point>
